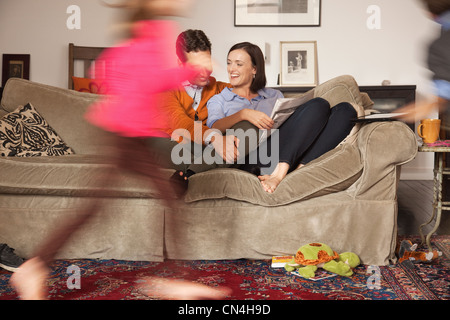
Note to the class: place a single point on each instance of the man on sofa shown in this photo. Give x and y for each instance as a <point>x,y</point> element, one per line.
<point>187,106</point>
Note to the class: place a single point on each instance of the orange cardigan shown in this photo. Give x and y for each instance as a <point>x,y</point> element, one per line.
<point>178,104</point>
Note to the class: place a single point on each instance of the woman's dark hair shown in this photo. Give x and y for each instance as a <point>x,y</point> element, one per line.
<point>191,41</point>
<point>257,57</point>
<point>437,7</point>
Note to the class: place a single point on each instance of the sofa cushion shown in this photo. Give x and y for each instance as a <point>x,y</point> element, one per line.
<point>72,175</point>
<point>63,109</point>
<point>341,89</point>
<point>333,172</point>
<point>25,133</point>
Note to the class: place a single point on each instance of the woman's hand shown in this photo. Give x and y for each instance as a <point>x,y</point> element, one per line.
<point>257,118</point>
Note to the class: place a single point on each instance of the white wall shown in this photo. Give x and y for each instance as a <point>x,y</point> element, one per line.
<point>396,52</point>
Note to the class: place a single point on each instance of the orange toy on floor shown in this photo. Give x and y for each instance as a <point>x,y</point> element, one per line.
<point>407,252</point>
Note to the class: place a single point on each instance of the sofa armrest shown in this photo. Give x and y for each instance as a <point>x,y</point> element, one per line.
<point>384,146</point>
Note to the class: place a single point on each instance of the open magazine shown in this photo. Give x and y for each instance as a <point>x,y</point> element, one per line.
<point>283,109</point>
<point>374,117</point>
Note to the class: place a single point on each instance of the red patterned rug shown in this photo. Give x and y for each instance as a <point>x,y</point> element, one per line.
<point>249,280</point>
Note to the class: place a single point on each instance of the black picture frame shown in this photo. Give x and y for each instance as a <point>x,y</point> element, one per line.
<point>277,13</point>
<point>15,66</point>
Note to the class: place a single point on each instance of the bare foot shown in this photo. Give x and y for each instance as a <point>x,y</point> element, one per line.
<point>271,182</point>
<point>30,279</point>
<point>181,290</point>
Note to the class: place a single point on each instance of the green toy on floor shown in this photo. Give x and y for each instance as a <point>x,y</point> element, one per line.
<point>312,256</point>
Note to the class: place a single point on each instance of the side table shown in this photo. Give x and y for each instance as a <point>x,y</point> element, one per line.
<point>439,172</point>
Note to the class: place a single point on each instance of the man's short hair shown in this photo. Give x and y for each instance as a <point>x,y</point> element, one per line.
<point>191,41</point>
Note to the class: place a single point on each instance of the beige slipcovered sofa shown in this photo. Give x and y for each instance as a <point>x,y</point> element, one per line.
<point>347,198</point>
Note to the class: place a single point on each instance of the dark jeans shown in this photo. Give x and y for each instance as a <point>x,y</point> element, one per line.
<point>161,152</point>
<point>312,130</point>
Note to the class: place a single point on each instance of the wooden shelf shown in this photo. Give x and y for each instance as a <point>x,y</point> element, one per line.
<point>405,92</point>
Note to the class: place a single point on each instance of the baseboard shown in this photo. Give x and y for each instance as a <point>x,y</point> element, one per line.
<point>416,173</point>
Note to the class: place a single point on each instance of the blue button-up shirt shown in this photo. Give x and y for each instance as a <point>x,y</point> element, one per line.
<point>227,103</point>
<point>444,20</point>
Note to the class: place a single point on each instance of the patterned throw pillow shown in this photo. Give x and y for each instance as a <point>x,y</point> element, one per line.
<point>25,133</point>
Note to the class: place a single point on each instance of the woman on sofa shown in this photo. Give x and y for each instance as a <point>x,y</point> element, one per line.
<point>312,130</point>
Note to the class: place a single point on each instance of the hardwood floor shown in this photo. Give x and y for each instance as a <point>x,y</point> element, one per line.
<point>415,199</point>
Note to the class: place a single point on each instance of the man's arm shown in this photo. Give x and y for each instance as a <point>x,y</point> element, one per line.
<point>226,146</point>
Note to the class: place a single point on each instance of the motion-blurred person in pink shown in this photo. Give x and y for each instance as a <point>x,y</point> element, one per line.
<point>135,73</point>
<point>439,64</point>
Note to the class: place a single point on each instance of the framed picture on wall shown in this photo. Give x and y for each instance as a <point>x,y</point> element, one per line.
<point>298,63</point>
<point>277,13</point>
<point>15,66</point>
